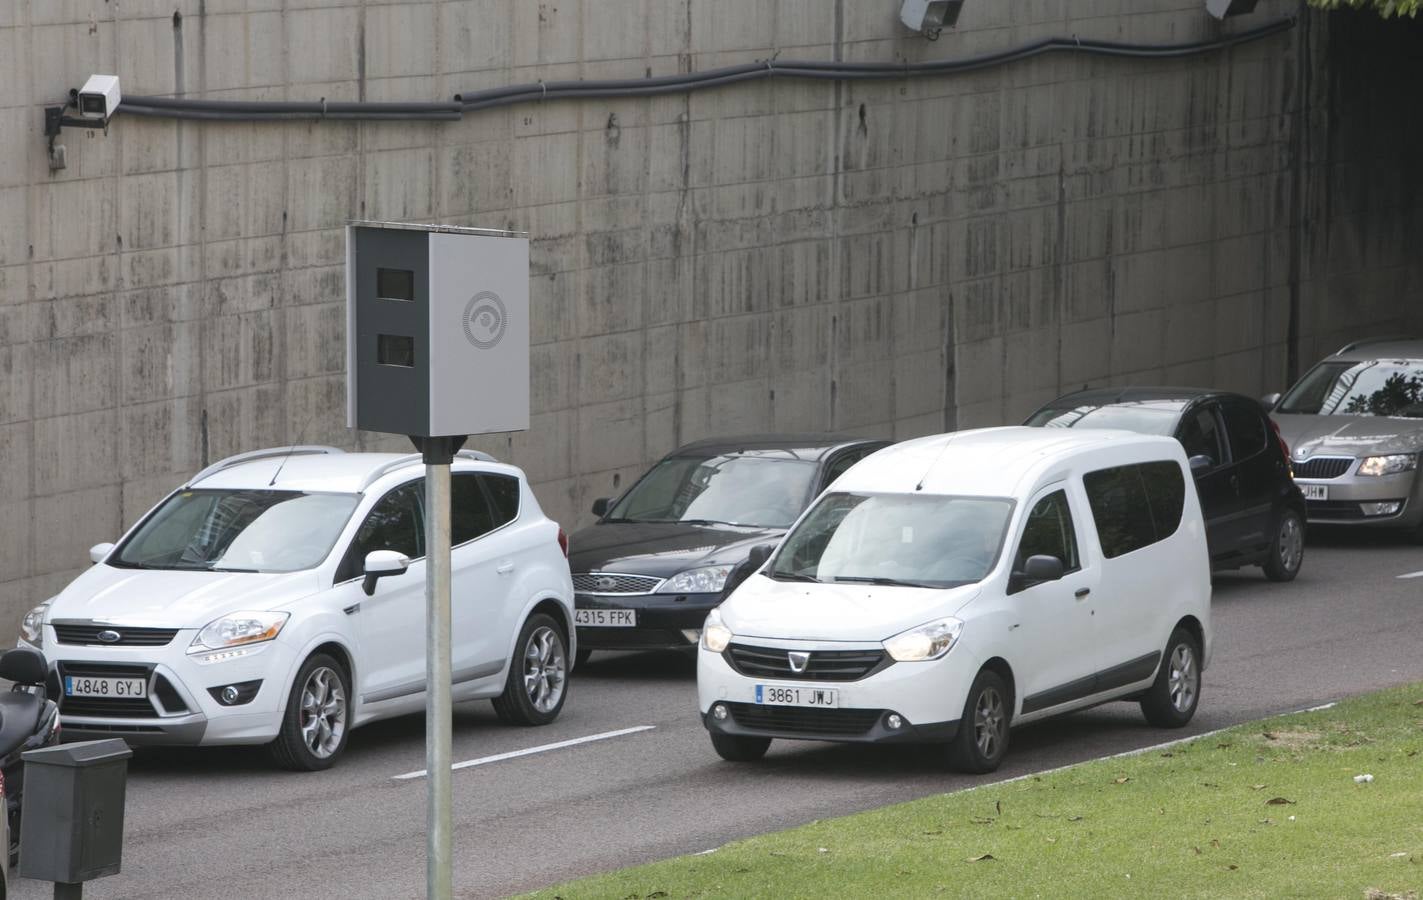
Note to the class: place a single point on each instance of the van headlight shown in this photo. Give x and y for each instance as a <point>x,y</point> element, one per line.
<point>32,628</point>
<point>929,641</point>
<point>715,635</point>
<point>239,629</point>
<point>706,580</point>
<point>1388,465</point>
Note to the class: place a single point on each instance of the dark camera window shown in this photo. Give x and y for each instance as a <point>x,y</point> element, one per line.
<point>1135,506</point>
<point>395,284</point>
<point>91,105</point>
<point>395,350</point>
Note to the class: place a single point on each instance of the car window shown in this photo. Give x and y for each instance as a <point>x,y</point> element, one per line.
<point>842,463</point>
<point>503,494</point>
<point>1048,532</point>
<point>470,515</point>
<point>1135,506</point>
<point>1200,435</point>
<point>1376,387</point>
<point>734,489</point>
<point>393,524</point>
<point>1246,428</point>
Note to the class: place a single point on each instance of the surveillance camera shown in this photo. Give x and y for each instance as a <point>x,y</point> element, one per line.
<point>929,16</point>
<point>99,97</point>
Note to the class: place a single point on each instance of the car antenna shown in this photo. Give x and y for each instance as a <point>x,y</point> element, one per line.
<point>925,477</point>
<point>290,450</point>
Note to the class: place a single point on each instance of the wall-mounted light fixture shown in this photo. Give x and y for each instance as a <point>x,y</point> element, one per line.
<point>929,17</point>
<point>1222,8</point>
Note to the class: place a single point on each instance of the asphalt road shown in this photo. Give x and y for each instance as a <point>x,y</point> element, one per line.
<point>222,824</point>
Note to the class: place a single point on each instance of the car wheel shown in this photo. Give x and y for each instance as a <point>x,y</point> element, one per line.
<point>982,741</point>
<point>736,748</point>
<point>1171,700</point>
<point>317,719</point>
<point>1287,547</point>
<point>538,677</point>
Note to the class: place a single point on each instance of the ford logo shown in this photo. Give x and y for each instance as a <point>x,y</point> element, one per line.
<point>109,637</point>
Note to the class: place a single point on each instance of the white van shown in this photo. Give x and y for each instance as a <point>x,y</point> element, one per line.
<point>949,587</point>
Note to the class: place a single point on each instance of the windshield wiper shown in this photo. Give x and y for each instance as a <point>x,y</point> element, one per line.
<point>888,582</point>
<point>226,569</point>
<point>794,576</point>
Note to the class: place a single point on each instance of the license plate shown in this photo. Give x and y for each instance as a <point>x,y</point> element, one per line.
<point>773,695</point>
<point>605,618</point>
<point>1315,491</point>
<point>104,687</point>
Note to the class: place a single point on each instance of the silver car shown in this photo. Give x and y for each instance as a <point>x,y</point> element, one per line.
<point>1354,424</point>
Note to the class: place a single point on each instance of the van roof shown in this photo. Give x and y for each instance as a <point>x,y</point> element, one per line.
<point>987,462</point>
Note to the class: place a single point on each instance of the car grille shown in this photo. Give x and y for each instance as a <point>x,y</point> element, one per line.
<point>606,584</point>
<point>823,665</point>
<point>88,634</point>
<point>118,707</point>
<point>792,720</point>
<point>1323,467</point>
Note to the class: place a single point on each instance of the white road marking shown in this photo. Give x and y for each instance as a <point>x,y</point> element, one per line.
<point>1412,575</point>
<point>500,757</point>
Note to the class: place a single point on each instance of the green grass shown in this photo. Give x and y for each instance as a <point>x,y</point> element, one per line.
<point>1269,809</point>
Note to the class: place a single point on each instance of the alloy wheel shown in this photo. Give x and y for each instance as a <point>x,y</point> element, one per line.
<point>323,712</point>
<point>1185,678</point>
<point>988,721</point>
<point>1291,543</point>
<point>545,669</point>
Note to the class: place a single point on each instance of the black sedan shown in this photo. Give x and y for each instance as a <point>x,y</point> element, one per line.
<point>1254,512</point>
<point>659,557</point>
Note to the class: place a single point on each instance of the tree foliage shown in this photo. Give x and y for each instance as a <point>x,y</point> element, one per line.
<point>1385,8</point>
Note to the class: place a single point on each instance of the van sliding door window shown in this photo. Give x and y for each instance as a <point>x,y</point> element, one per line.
<point>1135,506</point>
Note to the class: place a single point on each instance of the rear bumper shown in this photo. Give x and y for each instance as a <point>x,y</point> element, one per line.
<point>664,621</point>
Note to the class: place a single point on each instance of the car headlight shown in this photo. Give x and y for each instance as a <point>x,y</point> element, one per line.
<point>715,635</point>
<point>32,628</point>
<point>929,641</point>
<point>1389,465</point>
<point>706,580</point>
<point>239,629</point>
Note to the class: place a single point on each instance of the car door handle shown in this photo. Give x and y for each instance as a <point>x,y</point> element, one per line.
<point>505,568</point>
<point>1082,592</point>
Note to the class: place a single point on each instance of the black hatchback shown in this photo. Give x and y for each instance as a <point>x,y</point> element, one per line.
<point>658,559</point>
<point>1254,512</point>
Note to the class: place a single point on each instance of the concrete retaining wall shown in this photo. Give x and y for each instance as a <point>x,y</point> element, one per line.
<point>892,258</point>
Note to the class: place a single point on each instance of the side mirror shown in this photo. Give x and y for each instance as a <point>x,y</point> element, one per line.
<point>1270,401</point>
<point>1043,568</point>
<point>600,506</point>
<point>381,563</point>
<point>1201,463</point>
<point>747,567</point>
<point>99,552</point>
<point>759,554</point>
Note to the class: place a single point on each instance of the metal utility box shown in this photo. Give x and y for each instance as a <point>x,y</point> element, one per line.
<point>437,329</point>
<point>72,818</point>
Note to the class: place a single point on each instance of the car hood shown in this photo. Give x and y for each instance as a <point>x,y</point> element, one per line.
<point>165,599</point>
<point>791,610</point>
<point>1309,436</point>
<point>661,549</point>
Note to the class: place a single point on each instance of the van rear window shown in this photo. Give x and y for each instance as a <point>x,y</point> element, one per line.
<point>1135,506</point>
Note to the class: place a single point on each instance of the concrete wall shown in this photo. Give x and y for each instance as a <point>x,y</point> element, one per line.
<point>891,258</point>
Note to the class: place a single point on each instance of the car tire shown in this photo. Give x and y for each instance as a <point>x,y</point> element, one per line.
<point>538,675</point>
<point>1286,553</point>
<point>982,741</point>
<point>317,718</point>
<point>1171,700</point>
<point>738,748</point>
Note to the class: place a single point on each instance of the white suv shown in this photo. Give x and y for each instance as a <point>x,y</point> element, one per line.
<point>278,598</point>
<point>948,587</point>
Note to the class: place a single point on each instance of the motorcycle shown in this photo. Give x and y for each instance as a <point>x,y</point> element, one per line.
<point>29,720</point>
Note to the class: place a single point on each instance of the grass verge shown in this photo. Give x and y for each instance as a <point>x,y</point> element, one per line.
<point>1268,809</point>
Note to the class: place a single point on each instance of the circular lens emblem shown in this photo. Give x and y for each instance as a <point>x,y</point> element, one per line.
<point>485,320</point>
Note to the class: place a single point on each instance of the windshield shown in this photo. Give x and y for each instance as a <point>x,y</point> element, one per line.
<point>1126,416</point>
<point>1378,387</point>
<point>761,491</point>
<point>917,540</point>
<point>238,531</point>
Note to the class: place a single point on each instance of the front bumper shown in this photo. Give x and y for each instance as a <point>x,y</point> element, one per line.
<point>664,621</point>
<point>180,710</point>
<point>927,696</point>
<point>1349,495</point>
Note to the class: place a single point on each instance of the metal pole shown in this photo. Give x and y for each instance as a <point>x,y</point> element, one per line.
<point>439,851</point>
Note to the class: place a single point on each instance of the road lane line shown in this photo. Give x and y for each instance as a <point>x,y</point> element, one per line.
<point>513,754</point>
<point>1412,575</point>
